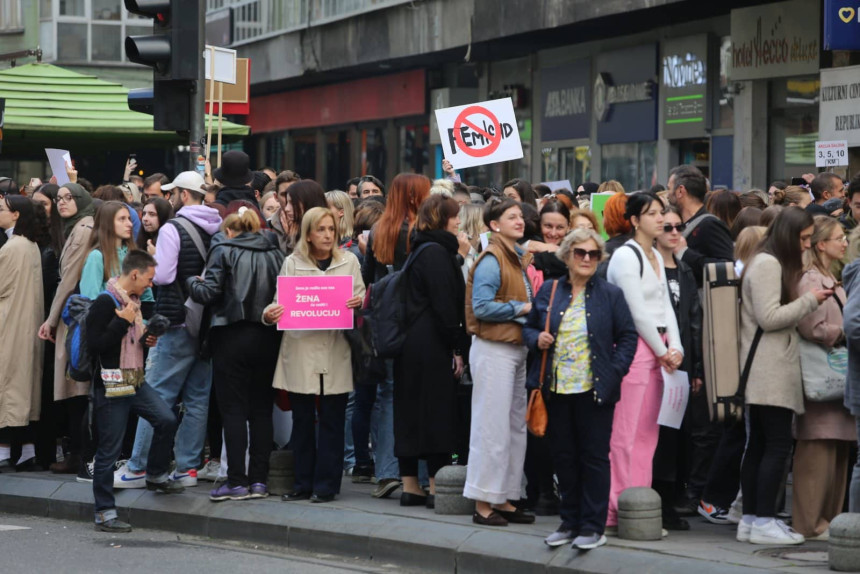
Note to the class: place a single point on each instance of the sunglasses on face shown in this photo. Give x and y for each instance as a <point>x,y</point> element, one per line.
<point>593,254</point>
<point>679,227</point>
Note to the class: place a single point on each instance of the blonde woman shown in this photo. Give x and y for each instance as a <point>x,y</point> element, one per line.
<point>472,224</point>
<point>746,245</point>
<point>314,367</point>
<point>825,431</point>
<point>343,210</point>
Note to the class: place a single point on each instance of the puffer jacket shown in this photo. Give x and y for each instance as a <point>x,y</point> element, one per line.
<point>241,278</point>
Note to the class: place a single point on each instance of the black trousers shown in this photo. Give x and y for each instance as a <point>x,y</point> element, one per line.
<point>319,461</point>
<point>767,453</point>
<point>409,464</point>
<point>579,432</point>
<point>243,366</point>
<point>724,478</point>
<point>701,439</point>
<point>214,427</point>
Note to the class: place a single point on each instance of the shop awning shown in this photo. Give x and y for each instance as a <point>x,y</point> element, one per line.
<point>48,106</point>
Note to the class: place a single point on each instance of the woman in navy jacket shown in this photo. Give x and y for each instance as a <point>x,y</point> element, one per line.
<point>590,345</point>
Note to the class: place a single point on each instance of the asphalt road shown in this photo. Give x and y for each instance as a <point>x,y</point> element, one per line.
<point>35,545</point>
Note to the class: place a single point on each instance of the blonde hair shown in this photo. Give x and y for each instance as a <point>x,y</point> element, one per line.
<point>587,214</point>
<point>575,237</point>
<point>611,185</point>
<point>791,195</point>
<point>824,226</point>
<point>310,220</point>
<point>341,200</point>
<point>748,241</point>
<point>472,222</point>
<point>245,220</point>
<point>444,187</point>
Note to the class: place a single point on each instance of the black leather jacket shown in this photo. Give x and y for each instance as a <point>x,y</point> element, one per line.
<point>689,316</point>
<point>241,278</point>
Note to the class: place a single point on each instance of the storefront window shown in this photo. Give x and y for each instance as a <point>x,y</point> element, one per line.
<point>276,146</point>
<point>106,9</point>
<point>107,44</point>
<point>72,8</point>
<point>373,152</point>
<point>793,126</point>
<point>725,111</point>
<point>632,164</point>
<point>570,163</point>
<point>72,41</point>
<point>413,149</point>
<point>336,159</point>
<point>305,149</point>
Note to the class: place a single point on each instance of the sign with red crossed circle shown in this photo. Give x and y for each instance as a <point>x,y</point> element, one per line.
<point>479,134</point>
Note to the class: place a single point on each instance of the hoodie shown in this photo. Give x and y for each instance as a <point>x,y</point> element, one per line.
<point>851,324</point>
<point>167,247</point>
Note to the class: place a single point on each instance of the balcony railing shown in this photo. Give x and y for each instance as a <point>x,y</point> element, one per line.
<point>259,19</point>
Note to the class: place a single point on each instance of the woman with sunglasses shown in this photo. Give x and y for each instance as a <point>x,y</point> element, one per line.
<point>684,296</point>
<point>638,269</point>
<point>589,347</point>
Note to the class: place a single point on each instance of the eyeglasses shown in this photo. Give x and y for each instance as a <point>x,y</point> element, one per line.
<point>64,199</point>
<point>679,227</point>
<point>839,239</point>
<point>593,254</point>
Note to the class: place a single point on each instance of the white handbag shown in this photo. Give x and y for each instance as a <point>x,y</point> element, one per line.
<point>823,371</point>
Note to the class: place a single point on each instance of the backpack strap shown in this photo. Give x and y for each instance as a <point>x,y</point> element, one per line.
<point>639,257</point>
<point>694,223</point>
<point>192,231</point>
<point>742,383</point>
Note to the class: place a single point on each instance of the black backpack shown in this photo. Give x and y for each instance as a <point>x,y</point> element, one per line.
<point>387,314</point>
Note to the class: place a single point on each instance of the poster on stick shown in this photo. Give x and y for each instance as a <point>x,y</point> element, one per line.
<point>479,134</point>
<point>315,303</point>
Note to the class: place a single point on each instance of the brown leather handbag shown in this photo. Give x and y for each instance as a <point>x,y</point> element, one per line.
<point>536,417</point>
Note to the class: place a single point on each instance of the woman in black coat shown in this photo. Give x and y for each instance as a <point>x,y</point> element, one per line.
<point>425,374</point>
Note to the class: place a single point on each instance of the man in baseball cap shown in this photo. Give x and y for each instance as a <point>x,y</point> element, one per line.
<point>175,368</point>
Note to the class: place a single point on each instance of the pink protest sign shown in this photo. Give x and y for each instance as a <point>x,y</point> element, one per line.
<point>315,303</point>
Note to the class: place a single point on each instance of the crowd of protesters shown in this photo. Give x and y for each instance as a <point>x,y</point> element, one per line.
<point>507,290</point>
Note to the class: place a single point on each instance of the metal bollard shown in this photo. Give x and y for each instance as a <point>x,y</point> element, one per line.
<point>640,514</point>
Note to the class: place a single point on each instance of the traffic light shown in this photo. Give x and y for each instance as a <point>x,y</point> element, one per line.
<point>172,51</point>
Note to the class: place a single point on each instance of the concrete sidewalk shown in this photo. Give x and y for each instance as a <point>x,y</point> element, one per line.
<point>357,525</point>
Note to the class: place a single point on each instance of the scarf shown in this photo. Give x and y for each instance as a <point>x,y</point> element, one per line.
<point>131,352</point>
<point>85,207</point>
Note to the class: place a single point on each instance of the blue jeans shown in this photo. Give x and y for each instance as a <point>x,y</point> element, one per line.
<point>381,397</point>
<point>854,496</point>
<point>176,373</point>
<point>348,447</point>
<point>111,418</point>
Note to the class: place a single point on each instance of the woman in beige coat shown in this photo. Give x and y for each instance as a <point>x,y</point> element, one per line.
<point>825,432</point>
<point>76,210</point>
<point>21,312</point>
<point>770,310</point>
<point>315,367</point>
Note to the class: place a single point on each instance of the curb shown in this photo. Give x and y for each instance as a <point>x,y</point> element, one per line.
<point>407,542</point>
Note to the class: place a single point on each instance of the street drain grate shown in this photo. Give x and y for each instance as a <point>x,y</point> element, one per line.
<point>796,554</point>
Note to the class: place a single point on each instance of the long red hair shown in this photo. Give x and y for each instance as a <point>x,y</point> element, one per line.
<point>406,194</point>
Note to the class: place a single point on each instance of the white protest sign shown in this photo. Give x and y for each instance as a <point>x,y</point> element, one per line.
<point>556,185</point>
<point>830,154</point>
<point>58,158</point>
<point>478,134</point>
<point>225,64</point>
<point>676,393</point>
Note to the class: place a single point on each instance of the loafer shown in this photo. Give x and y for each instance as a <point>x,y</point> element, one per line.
<point>166,487</point>
<point>517,516</point>
<point>113,525</point>
<point>431,501</point>
<point>409,499</point>
<point>493,519</point>
<point>294,496</point>
<point>321,498</point>
<point>675,523</point>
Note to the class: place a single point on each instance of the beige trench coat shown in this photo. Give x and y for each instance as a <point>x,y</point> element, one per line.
<point>305,355</point>
<point>774,378</point>
<point>22,308</point>
<point>71,264</point>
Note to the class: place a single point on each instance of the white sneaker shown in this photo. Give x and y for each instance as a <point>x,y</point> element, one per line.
<point>209,471</point>
<point>775,532</point>
<point>186,479</point>
<point>744,531</point>
<point>735,514</point>
<point>124,478</point>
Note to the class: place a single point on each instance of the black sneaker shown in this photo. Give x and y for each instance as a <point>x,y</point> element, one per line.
<point>113,525</point>
<point>167,487</point>
<point>362,474</point>
<point>85,474</point>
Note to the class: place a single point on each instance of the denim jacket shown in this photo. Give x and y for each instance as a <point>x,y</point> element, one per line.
<point>612,335</point>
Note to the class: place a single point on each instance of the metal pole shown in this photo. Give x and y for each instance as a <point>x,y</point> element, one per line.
<point>196,159</point>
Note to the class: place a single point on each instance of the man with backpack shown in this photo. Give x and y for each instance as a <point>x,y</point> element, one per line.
<point>115,336</point>
<point>175,369</point>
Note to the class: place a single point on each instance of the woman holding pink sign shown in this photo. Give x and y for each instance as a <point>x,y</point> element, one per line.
<point>314,365</point>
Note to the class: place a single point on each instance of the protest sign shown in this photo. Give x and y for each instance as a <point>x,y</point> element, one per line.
<point>58,158</point>
<point>676,393</point>
<point>598,202</point>
<point>479,134</point>
<point>557,185</point>
<point>831,154</point>
<point>315,302</point>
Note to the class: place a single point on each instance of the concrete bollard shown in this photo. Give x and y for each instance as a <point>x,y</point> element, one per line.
<point>640,514</point>
<point>844,546</point>
<point>282,477</point>
<point>450,481</point>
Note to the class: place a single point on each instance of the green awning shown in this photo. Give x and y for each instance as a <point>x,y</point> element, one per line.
<point>48,106</point>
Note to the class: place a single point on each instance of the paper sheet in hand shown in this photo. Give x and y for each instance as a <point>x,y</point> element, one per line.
<point>58,159</point>
<point>676,393</point>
